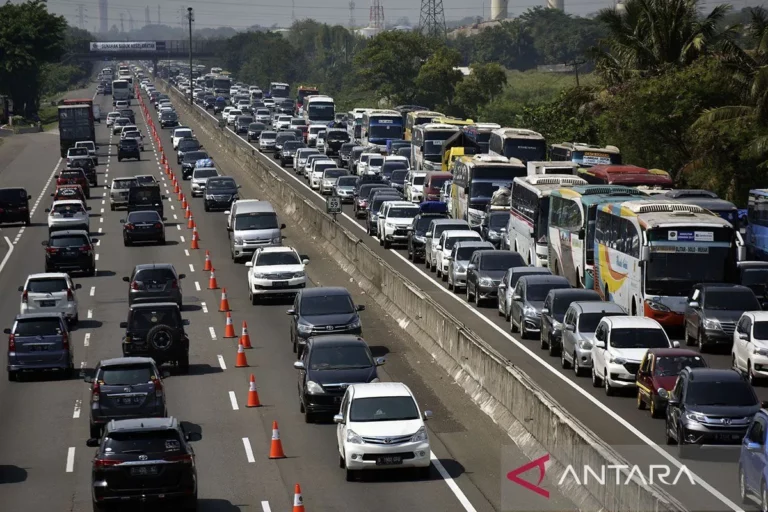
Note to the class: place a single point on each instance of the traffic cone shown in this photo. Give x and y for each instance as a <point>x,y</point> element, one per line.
<point>241,361</point>
<point>229,329</point>
<point>183,200</point>
<point>162,159</point>
<point>190,220</point>
<point>187,212</point>
<point>276,447</point>
<point>176,187</point>
<point>253,395</point>
<point>212,284</point>
<point>245,339</point>
<point>298,500</point>
<point>167,168</point>
<point>224,305</point>
<point>195,234</point>
<point>194,243</point>
<point>207,267</point>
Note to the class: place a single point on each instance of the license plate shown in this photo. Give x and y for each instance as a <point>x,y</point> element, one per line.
<point>389,460</point>
<point>144,470</point>
<point>130,400</point>
<point>38,348</point>
<point>728,437</point>
<point>278,284</point>
<point>47,303</point>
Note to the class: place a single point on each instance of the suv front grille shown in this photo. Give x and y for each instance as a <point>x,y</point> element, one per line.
<point>387,440</point>
<point>632,368</point>
<point>728,327</point>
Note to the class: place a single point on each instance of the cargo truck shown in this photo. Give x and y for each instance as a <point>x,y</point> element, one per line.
<point>75,125</point>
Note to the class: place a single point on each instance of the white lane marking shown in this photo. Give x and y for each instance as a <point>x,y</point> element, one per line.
<point>82,368</point>
<point>45,187</point>
<point>186,252</point>
<point>70,459</point>
<point>101,220</point>
<point>182,239</point>
<point>222,364</point>
<point>102,209</point>
<point>175,217</point>
<point>178,226</point>
<point>191,268</point>
<point>212,332</point>
<point>93,291</point>
<point>97,256</point>
<point>451,484</point>
<point>100,231</point>
<point>8,254</point>
<point>265,506</point>
<point>248,450</point>
<point>103,201</point>
<point>90,313</point>
<point>87,340</point>
<point>197,286</point>
<point>204,306</point>
<point>78,406</point>
<point>172,208</point>
<point>233,401</point>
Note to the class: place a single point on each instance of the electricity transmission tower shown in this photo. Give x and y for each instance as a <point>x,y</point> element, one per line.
<point>122,25</point>
<point>351,14</point>
<point>432,18</point>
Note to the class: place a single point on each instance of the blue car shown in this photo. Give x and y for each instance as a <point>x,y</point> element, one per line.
<point>752,461</point>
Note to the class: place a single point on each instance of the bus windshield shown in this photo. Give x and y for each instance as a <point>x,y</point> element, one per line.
<point>673,274</point>
<point>222,83</point>
<point>386,131</point>
<point>321,111</point>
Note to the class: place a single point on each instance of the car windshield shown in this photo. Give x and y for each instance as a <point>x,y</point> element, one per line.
<point>347,181</point>
<point>38,327</point>
<point>67,241</point>
<point>127,375</point>
<point>383,408</point>
<point>144,216</point>
<point>78,152</point>
<point>498,221</point>
<point>254,220</point>
<point>268,135</point>
<point>292,144</point>
<point>418,180</point>
<point>334,173</point>
<point>464,253</point>
<point>123,184</point>
<point>182,133</point>
<point>398,176</point>
<point>327,305</point>
<point>538,292</point>
<point>760,330</point>
<point>145,319</point>
<point>501,260</point>
<point>732,393</point>
<point>450,242</point>
<point>205,173</point>
<point>588,321</point>
<point>340,358</point>
<point>731,300</point>
<point>189,145</point>
<point>162,442</point>
<point>376,204</point>
<point>639,337</point>
<point>133,134</point>
<point>668,366</point>
<point>221,184</point>
<point>47,285</point>
<point>403,213</point>
<point>267,259</point>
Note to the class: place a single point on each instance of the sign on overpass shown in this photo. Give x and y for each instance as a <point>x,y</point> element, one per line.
<point>131,46</point>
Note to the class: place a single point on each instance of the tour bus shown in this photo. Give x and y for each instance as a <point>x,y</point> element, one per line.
<point>454,121</point>
<point>550,167</point>
<point>650,253</point>
<point>757,224</point>
<point>303,92</point>
<point>571,228</point>
<point>221,86</point>
<point>518,143</point>
<point>529,213</point>
<point>584,154</point>
<point>216,71</point>
<point>480,134</point>
<point>319,109</point>
<point>416,118</point>
<point>427,145</point>
<point>121,90</point>
<point>709,201</point>
<point>627,175</point>
<point>475,179</point>
<point>280,90</point>
<point>406,109</point>
<point>379,126</point>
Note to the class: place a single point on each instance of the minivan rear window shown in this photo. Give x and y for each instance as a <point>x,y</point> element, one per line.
<point>38,327</point>
<point>47,285</point>
<point>157,275</point>
<point>13,195</point>
<point>148,442</point>
<point>126,375</point>
<point>67,241</point>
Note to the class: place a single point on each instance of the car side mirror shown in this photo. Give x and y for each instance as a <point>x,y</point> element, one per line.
<point>360,307</point>
<point>192,437</point>
<point>248,263</point>
<point>305,261</point>
<point>693,304</point>
<point>380,361</point>
<point>182,276</point>
<point>427,415</point>
<point>78,286</point>
<point>599,344</point>
<point>570,327</point>
<point>428,235</point>
<point>164,218</point>
<point>123,325</point>
<point>338,418</point>
<point>517,297</point>
<point>675,344</point>
<point>439,247</point>
<point>47,210</point>
<point>544,311</point>
<point>290,312</point>
<point>92,443</point>
<point>44,243</point>
<point>122,221</point>
<point>298,365</point>
<point>21,288</point>
<point>743,336</point>
<point>7,330</point>
<point>754,447</point>
<point>127,279</point>
<point>663,393</point>
<point>51,194</point>
<point>30,197</point>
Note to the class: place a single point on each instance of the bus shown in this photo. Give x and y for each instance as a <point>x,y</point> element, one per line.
<point>416,118</point>
<point>427,145</point>
<point>319,109</point>
<point>650,253</point>
<point>480,134</point>
<point>221,86</point>
<point>406,109</point>
<point>627,175</point>
<point>584,154</point>
<point>757,224</point>
<point>303,92</point>
<point>455,121</point>
<point>709,201</point>
<point>379,126</point>
<point>529,214</point>
<point>518,143</point>
<point>571,228</point>
<point>475,179</point>
<point>216,71</point>
<point>121,90</point>
<point>279,90</point>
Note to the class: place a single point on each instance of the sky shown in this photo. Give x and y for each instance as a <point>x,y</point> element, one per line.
<point>240,14</point>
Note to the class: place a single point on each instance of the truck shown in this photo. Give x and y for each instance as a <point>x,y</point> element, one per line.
<point>75,125</point>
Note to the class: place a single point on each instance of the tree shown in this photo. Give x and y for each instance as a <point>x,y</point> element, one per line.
<point>30,37</point>
<point>437,78</point>
<point>509,44</point>
<point>484,83</point>
<point>560,38</point>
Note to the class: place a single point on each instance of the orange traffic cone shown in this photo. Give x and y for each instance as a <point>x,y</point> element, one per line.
<point>229,329</point>
<point>183,201</point>
<point>194,243</point>
<point>241,361</point>
<point>245,339</point>
<point>190,220</point>
<point>176,187</point>
<point>187,212</point>
<point>253,395</point>
<point>160,147</point>
<point>167,168</point>
<point>224,305</point>
<point>195,234</point>
<point>298,500</point>
<point>207,267</point>
<point>162,159</point>
<point>276,447</point>
<point>212,284</point>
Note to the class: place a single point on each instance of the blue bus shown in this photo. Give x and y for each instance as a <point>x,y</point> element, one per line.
<point>757,225</point>
<point>480,134</point>
<point>380,126</point>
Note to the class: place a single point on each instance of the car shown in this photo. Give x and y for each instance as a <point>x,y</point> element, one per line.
<point>754,275</point>
<point>378,198</point>
<point>300,158</point>
<point>285,154</point>
<point>267,141</point>
<point>262,115</point>
<point>87,166</point>
<point>709,406</point>
<point>143,226</point>
<point>122,104</point>
<point>52,292</point>
<point>379,427</point>
<point>155,283</point>
<point>189,162</point>
<point>111,118</point>
<point>344,188</point>
<point>323,310</point>
<point>152,460</point>
<point>74,177</point>
<point>118,192</point>
<point>156,330</point>
<point>458,260</point>
<point>749,353</point>
<point>128,148</point>
<point>185,145</point>
<point>283,121</point>
<point>137,136</point>
<point>254,131</point>
<point>493,226</point>
<point>307,171</point>
<point>39,342</point>
<point>658,371</point>
<point>65,192</point>
<point>117,126</point>
<point>319,166</point>
<point>397,181</point>
<point>232,115</point>
<point>280,140</point>
<point>528,300</point>
<point>394,220</point>
<point>14,205</point>
<point>125,388</point>
<point>443,249</point>
<point>275,271</point>
<point>90,146</point>
<point>396,163</point>
<point>68,214</point>
<point>70,250</point>
<point>553,315</point>
<point>362,162</point>
<point>620,344</point>
<point>579,326</point>
<point>220,192</point>
<point>485,271</point>
<point>752,462</point>
<point>711,313</point>
<point>242,123</point>
<point>200,176</point>
<point>127,112</point>
<point>181,132</point>
<point>414,186</point>
<point>320,141</point>
<point>435,230</point>
<point>328,366</point>
<point>145,197</point>
<point>252,224</point>
<point>333,141</point>
<point>169,119</point>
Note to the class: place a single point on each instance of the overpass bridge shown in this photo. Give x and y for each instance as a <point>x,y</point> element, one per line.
<point>146,50</point>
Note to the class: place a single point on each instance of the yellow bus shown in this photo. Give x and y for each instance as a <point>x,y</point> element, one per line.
<point>455,121</point>
<point>418,117</point>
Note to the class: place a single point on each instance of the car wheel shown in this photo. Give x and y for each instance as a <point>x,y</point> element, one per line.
<point>112,207</point>
<point>183,363</point>
<point>564,364</point>
<point>700,341</point>
<point>341,462</point>
<point>543,345</point>
<point>689,341</point>
<point>381,241</point>
<point>309,417</point>
<point>478,301</point>
<point>523,330</point>
<point>751,377</point>
<point>95,431</point>
<point>126,242</point>
<point>554,349</point>
<point>609,391</point>
<point>467,294</point>
<point>28,221</point>
<point>99,507</point>
<point>254,298</point>
<point>387,244</point>
<point>655,412</point>
<point>596,381</point>
<point>351,475</point>
<point>577,370</point>
<point>295,348</point>
<point>640,401</point>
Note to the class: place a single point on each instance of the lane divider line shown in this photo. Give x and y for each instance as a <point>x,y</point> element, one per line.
<point>204,306</point>
<point>248,451</point>
<point>265,506</point>
<point>233,400</point>
<point>87,340</point>
<point>212,331</point>
<point>222,364</point>
<point>70,460</point>
<point>78,406</point>
<point>8,254</point>
<point>197,286</point>
<point>191,267</point>
<point>93,291</point>
<point>90,313</point>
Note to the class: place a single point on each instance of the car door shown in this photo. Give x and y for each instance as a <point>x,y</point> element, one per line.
<point>546,317</point>
<point>341,428</point>
<point>673,409</point>
<point>644,376</point>
<point>518,299</point>
<point>739,344</point>
<point>753,461</point>
<point>382,220</point>
<point>474,263</point>
<point>407,186</point>
<point>598,354</point>
<point>567,339</point>
<point>692,311</point>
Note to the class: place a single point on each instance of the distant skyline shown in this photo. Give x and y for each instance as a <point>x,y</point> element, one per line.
<point>241,14</point>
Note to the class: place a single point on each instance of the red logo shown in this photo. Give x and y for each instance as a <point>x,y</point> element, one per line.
<point>514,475</point>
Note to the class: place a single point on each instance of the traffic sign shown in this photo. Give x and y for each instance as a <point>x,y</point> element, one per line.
<point>333,205</point>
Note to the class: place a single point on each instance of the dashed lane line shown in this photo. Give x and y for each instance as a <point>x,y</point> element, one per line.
<point>222,364</point>
<point>204,306</point>
<point>78,406</point>
<point>186,251</point>
<point>197,286</point>
<point>265,506</point>
<point>8,254</point>
<point>212,331</point>
<point>182,239</point>
<point>82,368</point>
<point>90,313</point>
<point>191,267</point>
<point>233,401</point>
<point>87,339</point>
<point>97,257</point>
<point>93,291</point>
<point>248,450</point>
<point>70,460</point>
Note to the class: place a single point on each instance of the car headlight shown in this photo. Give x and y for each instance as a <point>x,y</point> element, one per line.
<point>313,388</point>
<point>238,240</point>
<point>461,268</point>
<point>711,323</point>
<point>530,311</point>
<point>304,328</point>
<point>298,274</point>
<point>760,351</point>
<point>276,240</point>
<point>420,239</point>
<point>586,344</point>
<point>557,326</point>
<point>493,235</point>
<point>657,306</point>
<point>695,416</point>
<point>390,225</point>
<point>353,438</point>
<point>355,324</point>
<point>486,281</point>
<point>420,435</point>
<point>617,360</point>
<point>258,275</point>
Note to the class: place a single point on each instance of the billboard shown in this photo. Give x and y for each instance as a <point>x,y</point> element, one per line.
<point>116,46</point>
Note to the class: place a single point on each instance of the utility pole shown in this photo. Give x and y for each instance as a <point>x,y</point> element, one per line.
<point>432,18</point>
<point>122,26</point>
<point>146,16</point>
<point>190,18</point>
<point>351,14</point>
<point>130,21</point>
<point>293,11</point>
<point>158,14</point>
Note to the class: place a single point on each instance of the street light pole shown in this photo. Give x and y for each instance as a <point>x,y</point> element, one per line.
<point>191,18</point>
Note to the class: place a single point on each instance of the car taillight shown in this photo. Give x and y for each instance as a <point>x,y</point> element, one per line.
<point>174,284</point>
<point>103,463</point>
<point>129,227</point>
<point>179,458</point>
<point>25,297</point>
<point>65,341</point>
<point>158,225</point>
<point>86,248</point>
<point>11,342</point>
<point>95,391</point>
<point>158,387</point>
<point>135,286</point>
<point>51,250</point>
<point>70,296</point>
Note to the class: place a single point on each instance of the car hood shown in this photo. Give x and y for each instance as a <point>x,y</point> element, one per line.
<point>725,410</point>
<point>347,376</point>
<point>722,315</point>
<point>535,304</point>
<point>337,319</point>
<point>386,428</point>
<point>667,382</point>
<point>496,275</point>
<point>272,269</point>
<point>199,181</point>
<point>630,354</point>
<point>257,234</point>
<point>222,192</point>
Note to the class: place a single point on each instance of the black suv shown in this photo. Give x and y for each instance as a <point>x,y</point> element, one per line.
<point>333,141</point>
<point>288,151</point>
<point>146,197</point>
<point>145,459</point>
<point>712,312</point>
<point>128,148</point>
<point>156,330</point>
<point>484,273</point>
<point>188,161</point>
<point>553,313</point>
<point>416,234</point>
<point>14,205</point>
<point>128,112</point>
<point>323,310</point>
<point>70,250</point>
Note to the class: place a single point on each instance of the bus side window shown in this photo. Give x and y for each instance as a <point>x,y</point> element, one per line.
<point>633,241</point>
<point>621,235</point>
<point>554,211</point>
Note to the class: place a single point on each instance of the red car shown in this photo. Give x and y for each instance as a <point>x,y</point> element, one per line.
<point>659,370</point>
<point>74,177</point>
<point>64,192</point>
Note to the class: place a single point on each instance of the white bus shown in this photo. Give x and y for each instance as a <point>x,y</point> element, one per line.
<point>121,90</point>
<point>279,90</point>
<point>216,71</point>
<point>427,145</point>
<point>529,214</point>
<point>650,253</point>
<point>221,86</point>
<point>518,143</point>
<point>379,126</point>
<point>319,109</point>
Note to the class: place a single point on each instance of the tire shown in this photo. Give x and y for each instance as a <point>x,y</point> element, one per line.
<point>554,350</point>
<point>609,391</point>
<point>655,412</point>
<point>596,380</point>
<point>28,221</point>
<point>689,341</point>
<point>700,341</point>
<point>523,332</point>
<point>468,295</point>
<point>112,207</point>
<point>12,376</point>
<point>506,311</point>
<point>162,338</point>
<point>308,417</point>
<point>743,495</point>
<point>640,401</point>
<point>98,507</point>
<point>564,364</point>
<point>577,369</point>
<point>127,242</point>
<point>543,345</point>
<point>351,475</point>
<point>94,431</point>
<point>295,348</point>
<point>387,244</point>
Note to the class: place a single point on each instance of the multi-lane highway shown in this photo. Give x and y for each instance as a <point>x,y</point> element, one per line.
<point>44,463</point>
